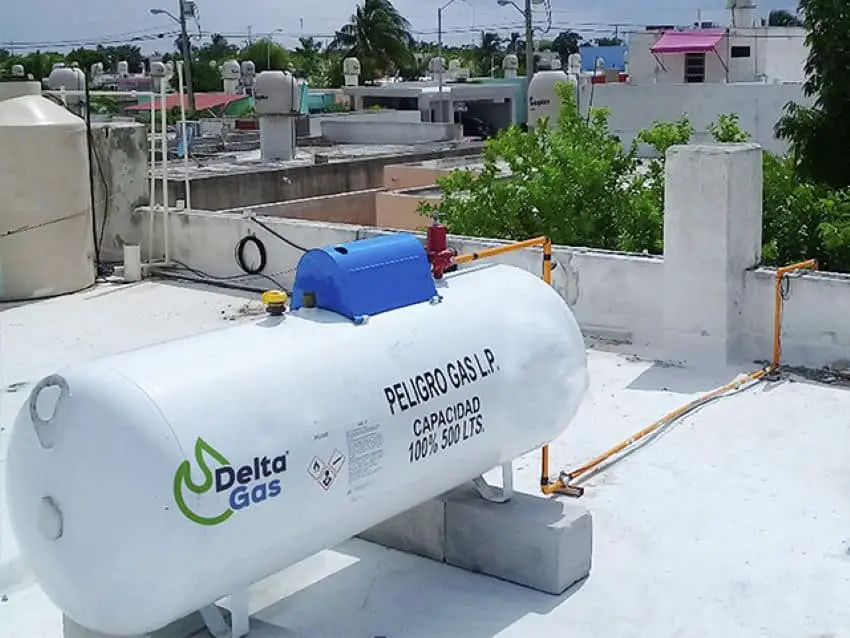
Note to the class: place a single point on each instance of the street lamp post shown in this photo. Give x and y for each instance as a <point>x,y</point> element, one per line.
<point>186,50</point>
<point>440,52</point>
<point>529,36</point>
<point>269,43</point>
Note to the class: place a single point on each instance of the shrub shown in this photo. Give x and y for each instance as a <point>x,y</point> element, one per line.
<point>577,184</point>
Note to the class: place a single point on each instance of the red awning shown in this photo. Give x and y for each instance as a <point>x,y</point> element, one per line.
<point>697,41</point>
<point>203,101</point>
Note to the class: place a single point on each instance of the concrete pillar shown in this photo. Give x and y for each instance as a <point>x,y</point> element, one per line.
<point>712,235</point>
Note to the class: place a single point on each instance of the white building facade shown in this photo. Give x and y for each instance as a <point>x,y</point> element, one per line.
<point>745,51</point>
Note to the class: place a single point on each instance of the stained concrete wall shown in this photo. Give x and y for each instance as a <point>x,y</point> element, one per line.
<point>634,107</point>
<point>232,190</point>
<point>399,209</point>
<point>368,132</point>
<point>121,181</point>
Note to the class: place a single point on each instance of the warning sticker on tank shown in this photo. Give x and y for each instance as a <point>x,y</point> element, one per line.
<point>325,473</point>
<point>365,453</point>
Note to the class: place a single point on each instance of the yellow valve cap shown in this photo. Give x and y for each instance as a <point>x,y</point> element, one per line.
<point>274,297</point>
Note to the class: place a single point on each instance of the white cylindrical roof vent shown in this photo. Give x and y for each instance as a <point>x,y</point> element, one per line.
<point>18,70</point>
<point>123,68</point>
<point>276,93</point>
<point>231,70</point>
<point>158,69</point>
<point>351,71</point>
<point>437,65</point>
<point>351,66</point>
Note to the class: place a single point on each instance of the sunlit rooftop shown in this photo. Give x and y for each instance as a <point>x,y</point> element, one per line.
<point>731,523</point>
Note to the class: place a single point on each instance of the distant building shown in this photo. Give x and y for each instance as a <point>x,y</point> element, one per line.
<point>728,54</point>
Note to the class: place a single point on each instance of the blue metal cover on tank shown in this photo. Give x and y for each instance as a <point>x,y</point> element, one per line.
<point>364,277</point>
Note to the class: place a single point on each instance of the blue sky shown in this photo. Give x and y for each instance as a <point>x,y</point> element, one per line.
<point>101,20</point>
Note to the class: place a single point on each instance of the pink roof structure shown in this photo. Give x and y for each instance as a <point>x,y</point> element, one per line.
<point>697,41</point>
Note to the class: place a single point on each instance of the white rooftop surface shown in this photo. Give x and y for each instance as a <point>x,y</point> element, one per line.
<point>736,522</point>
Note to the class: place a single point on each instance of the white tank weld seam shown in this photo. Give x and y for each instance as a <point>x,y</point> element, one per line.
<point>23,229</point>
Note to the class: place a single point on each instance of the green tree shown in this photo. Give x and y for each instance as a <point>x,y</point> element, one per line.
<point>378,35</point>
<point>820,136</point>
<point>565,44</point>
<point>783,18</point>
<point>573,182</point>
<point>267,55</point>
<point>308,57</point>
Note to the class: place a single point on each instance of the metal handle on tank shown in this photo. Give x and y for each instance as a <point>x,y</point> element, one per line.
<point>43,430</point>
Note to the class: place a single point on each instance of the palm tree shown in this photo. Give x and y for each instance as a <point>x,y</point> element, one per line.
<point>488,52</point>
<point>378,35</point>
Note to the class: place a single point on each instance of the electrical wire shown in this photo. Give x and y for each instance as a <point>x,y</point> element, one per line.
<point>226,281</point>
<point>274,233</point>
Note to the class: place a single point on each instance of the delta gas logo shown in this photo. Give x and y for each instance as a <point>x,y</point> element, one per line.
<point>246,485</point>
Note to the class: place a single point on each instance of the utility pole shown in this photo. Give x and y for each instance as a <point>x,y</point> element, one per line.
<point>529,36</point>
<point>440,58</point>
<point>187,57</point>
<point>529,46</point>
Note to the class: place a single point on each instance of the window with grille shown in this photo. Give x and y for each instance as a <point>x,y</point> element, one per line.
<point>694,67</point>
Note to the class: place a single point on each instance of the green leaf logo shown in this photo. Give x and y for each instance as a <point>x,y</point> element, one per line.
<point>183,478</point>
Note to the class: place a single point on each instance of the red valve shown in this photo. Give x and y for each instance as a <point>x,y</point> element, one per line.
<point>437,248</point>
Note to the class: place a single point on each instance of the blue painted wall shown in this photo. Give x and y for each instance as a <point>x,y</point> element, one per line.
<point>615,57</point>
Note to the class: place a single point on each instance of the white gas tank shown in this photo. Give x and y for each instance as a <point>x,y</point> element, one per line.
<point>543,101</point>
<point>170,476</point>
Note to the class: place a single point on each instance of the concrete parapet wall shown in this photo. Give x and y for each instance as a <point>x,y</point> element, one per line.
<point>261,186</point>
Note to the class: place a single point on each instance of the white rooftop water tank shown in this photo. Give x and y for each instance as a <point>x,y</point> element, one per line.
<point>45,210</point>
<point>542,99</point>
<point>18,70</point>
<point>69,78</point>
<point>148,492</point>
<point>17,87</point>
<point>123,68</point>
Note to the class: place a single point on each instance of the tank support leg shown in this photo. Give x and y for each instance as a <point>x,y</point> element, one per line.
<point>497,494</point>
<point>239,618</point>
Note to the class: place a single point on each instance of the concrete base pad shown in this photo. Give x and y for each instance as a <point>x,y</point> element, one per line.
<point>542,543</point>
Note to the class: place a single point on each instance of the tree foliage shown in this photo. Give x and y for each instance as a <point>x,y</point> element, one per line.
<point>819,136</point>
<point>577,184</point>
<point>783,18</point>
<point>378,35</point>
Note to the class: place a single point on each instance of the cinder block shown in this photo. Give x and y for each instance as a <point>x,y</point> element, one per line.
<point>545,544</point>
<point>420,530</point>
